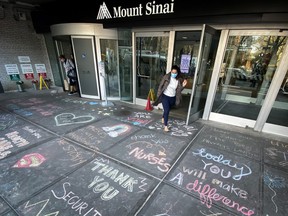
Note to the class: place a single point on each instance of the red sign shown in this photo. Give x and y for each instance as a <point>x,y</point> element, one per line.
<point>44,75</point>
<point>29,76</point>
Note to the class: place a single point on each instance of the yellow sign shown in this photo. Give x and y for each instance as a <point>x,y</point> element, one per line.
<point>152,94</point>
<point>42,81</point>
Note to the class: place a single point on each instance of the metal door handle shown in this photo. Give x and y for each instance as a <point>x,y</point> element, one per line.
<point>143,76</point>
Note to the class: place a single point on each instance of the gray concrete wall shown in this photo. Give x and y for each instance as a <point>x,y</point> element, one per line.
<point>18,38</point>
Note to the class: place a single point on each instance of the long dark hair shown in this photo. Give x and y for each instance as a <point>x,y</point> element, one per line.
<point>175,67</point>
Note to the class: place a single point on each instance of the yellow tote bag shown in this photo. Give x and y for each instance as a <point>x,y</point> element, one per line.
<point>66,85</point>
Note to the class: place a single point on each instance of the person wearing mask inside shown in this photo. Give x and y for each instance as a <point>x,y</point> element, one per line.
<point>169,92</point>
<point>72,80</point>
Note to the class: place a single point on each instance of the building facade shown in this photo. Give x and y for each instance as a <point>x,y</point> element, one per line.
<point>233,55</point>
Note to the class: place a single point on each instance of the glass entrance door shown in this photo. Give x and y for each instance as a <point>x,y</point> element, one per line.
<point>63,46</point>
<point>185,54</point>
<point>151,63</point>
<point>109,57</point>
<point>86,66</point>
<point>277,120</point>
<point>200,70</point>
<point>249,66</point>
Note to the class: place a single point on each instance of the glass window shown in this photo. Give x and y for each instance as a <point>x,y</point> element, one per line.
<point>151,61</point>
<point>247,71</point>
<point>125,64</point>
<point>109,57</point>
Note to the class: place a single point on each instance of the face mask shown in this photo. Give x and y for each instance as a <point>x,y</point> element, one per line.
<point>173,75</point>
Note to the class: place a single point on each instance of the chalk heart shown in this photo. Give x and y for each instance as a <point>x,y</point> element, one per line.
<point>70,118</point>
<point>6,124</point>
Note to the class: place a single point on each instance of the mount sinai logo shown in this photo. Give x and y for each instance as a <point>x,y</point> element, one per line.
<point>103,12</point>
<point>150,8</point>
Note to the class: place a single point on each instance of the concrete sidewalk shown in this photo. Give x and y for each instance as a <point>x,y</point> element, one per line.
<point>65,155</point>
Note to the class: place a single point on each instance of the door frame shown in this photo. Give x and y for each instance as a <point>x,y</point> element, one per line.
<point>102,81</point>
<point>260,123</point>
<point>95,66</point>
<point>140,101</point>
<point>59,50</point>
<point>205,29</point>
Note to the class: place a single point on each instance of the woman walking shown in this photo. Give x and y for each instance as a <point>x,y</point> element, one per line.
<point>169,93</point>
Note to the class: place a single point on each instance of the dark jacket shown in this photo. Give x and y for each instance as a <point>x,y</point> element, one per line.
<point>164,84</point>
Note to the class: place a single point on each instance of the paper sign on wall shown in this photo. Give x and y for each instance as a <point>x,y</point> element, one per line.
<point>27,70</point>
<point>12,69</point>
<point>24,58</point>
<point>41,70</point>
<point>185,63</point>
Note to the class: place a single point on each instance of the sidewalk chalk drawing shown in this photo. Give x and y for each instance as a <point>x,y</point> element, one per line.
<point>11,140</point>
<point>7,121</point>
<point>70,118</point>
<point>274,183</point>
<point>177,128</point>
<point>30,160</point>
<point>116,130</point>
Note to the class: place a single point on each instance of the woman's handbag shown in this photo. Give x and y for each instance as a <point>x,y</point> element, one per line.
<point>71,73</point>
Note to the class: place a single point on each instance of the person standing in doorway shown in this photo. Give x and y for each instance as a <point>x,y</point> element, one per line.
<point>169,92</point>
<point>72,81</point>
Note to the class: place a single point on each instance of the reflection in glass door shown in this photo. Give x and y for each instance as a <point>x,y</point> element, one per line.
<point>151,61</point>
<point>109,55</point>
<point>247,70</point>
<point>202,76</point>
<point>186,49</point>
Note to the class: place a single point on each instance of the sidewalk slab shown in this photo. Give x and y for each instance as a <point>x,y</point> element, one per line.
<point>101,187</point>
<point>149,151</point>
<point>21,137</point>
<point>168,201</point>
<point>178,128</point>
<point>102,134</point>
<point>137,117</point>
<point>3,206</point>
<point>232,141</point>
<point>8,120</point>
<point>220,178</point>
<point>28,172</point>
<point>275,192</point>
<point>67,120</point>
<point>276,154</point>
<point>117,160</point>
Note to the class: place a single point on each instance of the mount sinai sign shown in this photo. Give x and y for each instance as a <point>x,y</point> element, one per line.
<point>150,8</point>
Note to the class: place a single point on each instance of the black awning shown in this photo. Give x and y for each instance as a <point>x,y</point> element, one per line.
<point>139,13</point>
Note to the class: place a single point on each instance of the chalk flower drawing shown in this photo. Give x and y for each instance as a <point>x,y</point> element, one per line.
<point>274,183</point>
